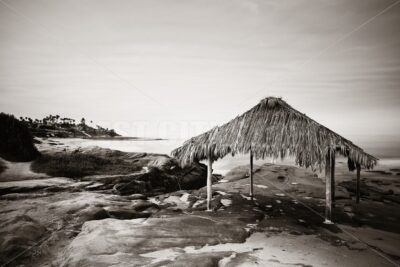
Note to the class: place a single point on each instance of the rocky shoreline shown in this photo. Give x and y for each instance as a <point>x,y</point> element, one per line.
<point>155,216</point>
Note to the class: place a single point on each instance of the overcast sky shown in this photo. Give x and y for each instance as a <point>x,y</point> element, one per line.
<point>175,68</point>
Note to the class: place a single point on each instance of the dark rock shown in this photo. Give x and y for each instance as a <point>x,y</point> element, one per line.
<point>36,141</point>
<point>210,259</point>
<point>393,198</point>
<point>95,186</point>
<point>157,180</point>
<point>92,213</point>
<point>342,193</point>
<point>136,196</point>
<point>348,209</point>
<point>17,235</point>
<point>389,192</point>
<point>127,214</point>
<point>141,206</point>
<point>132,187</point>
<point>238,173</point>
<point>281,178</point>
<point>215,204</point>
<point>295,232</point>
<point>379,172</point>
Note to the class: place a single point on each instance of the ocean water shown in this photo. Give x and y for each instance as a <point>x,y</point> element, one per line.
<point>166,146</point>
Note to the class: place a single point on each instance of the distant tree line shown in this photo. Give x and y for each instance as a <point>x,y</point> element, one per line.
<point>56,122</point>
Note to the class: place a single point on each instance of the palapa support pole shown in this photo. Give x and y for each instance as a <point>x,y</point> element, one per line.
<point>251,175</point>
<point>333,176</point>
<point>209,181</point>
<point>358,183</point>
<point>328,187</point>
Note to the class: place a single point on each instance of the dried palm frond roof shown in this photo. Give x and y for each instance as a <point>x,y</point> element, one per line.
<point>273,129</point>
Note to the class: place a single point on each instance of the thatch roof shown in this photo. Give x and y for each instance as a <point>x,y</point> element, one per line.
<point>273,129</point>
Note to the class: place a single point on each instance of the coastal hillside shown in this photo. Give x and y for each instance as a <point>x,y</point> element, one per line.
<point>57,126</point>
<point>16,140</point>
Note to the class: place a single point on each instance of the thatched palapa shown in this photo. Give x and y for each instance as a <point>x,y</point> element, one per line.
<point>273,129</point>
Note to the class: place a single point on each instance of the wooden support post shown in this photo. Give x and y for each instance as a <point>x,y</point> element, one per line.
<point>333,177</point>
<point>251,175</point>
<point>358,183</point>
<point>328,187</point>
<point>209,182</point>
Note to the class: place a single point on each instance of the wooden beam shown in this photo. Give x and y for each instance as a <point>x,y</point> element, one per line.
<point>333,177</point>
<point>328,187</point>
<point>358,183</point>
<point>251,175</point>
<point>209,182</point>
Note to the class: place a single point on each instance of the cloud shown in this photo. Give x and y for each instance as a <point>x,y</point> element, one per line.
<point>205,60</point>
